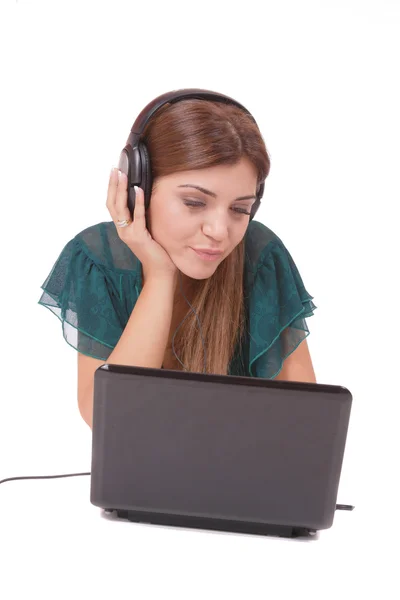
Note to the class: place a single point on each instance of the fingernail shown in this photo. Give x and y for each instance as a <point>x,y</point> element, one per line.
<point>136,189</point>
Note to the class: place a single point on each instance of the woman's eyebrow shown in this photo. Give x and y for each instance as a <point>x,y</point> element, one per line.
<point>201,189</point>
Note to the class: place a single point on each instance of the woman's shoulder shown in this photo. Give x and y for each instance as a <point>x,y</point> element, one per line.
<point>103,245</point>
<point>277,301</point>
<point>92,288</point>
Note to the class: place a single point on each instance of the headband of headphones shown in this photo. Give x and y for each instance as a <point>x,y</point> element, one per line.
<point>134,159</point>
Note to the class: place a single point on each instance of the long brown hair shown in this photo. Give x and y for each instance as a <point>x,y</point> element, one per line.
<point>197,134</point>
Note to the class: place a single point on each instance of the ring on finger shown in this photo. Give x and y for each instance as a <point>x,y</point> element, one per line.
<point>124,222</point>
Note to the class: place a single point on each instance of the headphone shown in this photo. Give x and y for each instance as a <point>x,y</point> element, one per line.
<point>134,161</point>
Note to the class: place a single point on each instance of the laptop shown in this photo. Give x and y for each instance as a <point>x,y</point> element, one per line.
<point>217,452</point>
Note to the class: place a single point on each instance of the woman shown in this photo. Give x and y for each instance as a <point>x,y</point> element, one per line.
<point>124,290</point>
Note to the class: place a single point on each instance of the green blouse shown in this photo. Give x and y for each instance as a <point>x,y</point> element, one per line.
<point>96,280</point>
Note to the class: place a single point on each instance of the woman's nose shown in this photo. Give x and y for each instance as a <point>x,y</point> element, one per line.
<point>216,226</point>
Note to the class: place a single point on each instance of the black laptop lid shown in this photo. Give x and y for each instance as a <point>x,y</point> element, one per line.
<point>226,447</point>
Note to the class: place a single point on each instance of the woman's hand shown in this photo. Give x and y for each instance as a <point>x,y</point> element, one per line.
<point>155,260</point>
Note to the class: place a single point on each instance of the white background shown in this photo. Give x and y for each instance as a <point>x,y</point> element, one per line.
<point>321,79</point>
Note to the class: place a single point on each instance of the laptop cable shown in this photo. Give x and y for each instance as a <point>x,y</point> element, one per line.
<point>338,506</point>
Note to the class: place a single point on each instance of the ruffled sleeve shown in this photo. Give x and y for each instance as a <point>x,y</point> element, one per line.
<point>278,303</point>
<point>90,295</point>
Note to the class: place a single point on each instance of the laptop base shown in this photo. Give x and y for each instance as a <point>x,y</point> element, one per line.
<point>214,524</point>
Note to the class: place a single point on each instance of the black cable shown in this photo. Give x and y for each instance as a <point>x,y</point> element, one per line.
<point>43,477</point>
<point>338,506</point>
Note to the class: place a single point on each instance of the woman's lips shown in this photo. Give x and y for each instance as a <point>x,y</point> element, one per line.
<point>207,255</point>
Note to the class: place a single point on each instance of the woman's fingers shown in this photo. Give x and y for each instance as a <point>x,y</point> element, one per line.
<point>139,212</point>
<point>121,198</point>
<point>117,200</point>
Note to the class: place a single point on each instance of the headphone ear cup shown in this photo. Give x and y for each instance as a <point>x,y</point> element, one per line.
<point>146,177</point>
<point>127,161</point>
<point>256,205</point>
<point>255,208</point>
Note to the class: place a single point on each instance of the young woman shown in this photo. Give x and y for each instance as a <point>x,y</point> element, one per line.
<point>124,290</point>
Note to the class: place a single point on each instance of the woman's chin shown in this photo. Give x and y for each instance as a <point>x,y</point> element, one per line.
<point>198,273</point>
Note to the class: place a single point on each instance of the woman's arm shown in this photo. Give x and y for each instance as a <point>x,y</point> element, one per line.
<point>142,343</point>
<point>298,366</point>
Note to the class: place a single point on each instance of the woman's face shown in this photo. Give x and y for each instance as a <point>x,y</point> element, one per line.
<point>184,219</point>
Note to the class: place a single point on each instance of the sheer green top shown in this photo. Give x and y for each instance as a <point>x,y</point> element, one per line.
<point>96,280</point>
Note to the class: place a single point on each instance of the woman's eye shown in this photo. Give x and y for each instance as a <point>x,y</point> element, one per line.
<point>241,211</point>
<point>194,204</point>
